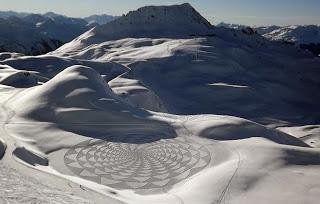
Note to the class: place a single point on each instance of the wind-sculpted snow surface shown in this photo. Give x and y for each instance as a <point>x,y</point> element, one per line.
<point>17,78</point>
<point>49,66</point>
<point>145,117</point>
<point>8,55</point>
<point>2,148</point>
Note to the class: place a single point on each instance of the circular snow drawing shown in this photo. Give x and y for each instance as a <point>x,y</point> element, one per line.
<point>137,166</point>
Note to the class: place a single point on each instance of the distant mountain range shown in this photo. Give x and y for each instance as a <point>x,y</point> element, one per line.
<point>34,34</point>
<point>93,19</point>
<point>303,36</point>
<point>7,14</point>
<point>100,19</point>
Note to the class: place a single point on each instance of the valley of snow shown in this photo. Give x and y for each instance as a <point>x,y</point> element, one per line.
<point>159,107</point>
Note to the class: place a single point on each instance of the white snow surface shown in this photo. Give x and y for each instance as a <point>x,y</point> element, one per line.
<point>16,189</point>
<point>198,114</point>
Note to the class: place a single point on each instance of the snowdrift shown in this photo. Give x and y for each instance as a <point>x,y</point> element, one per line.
<point>79,100</point>
<point>8,55</point>
<point>226,128</point>
<point>49,66</point>
<point>2,148</point>
<point>17,78</point>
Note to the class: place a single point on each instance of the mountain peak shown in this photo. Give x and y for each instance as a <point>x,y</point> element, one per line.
<point>156,21</point>
<point>183,13</point>
<point>51,14</point>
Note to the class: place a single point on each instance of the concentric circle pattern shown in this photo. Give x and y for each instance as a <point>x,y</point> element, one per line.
<point>137,166</point>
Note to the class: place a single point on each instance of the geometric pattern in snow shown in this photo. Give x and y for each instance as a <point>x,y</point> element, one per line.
<point>137,166</point>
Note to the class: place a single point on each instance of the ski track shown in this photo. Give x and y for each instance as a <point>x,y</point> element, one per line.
<point>15,188</point>
<point>226,190</point>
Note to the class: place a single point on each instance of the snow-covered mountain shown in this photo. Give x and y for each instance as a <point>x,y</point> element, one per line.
<point>38,33</point>
<point>100,19</point>
<point>152,21</point>
<point>93,19</point>
<point>17,35</point>
<point>158,106</point>
<point>156,21</point>
<point>298,34</point>
<point>303,36</point>
<point>231,25</point>
<point>266,29</point>
<point>260,29</point>
<point>61,27</point>
<point>7,14</point>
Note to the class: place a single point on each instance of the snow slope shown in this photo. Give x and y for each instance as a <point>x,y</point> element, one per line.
<point>15,78</point>
<point>196,114</point>
<point>16,188</point>
<point>50,66</point>
<point>246,73</point>
<point>77,102</point>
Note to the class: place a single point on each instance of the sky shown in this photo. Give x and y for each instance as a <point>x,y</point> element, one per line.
<point>249,12</point>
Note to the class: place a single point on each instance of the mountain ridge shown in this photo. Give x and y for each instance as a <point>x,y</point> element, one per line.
<point>304,36</point>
